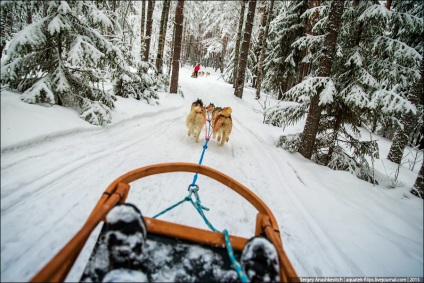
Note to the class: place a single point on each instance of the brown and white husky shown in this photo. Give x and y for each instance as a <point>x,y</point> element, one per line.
<point>209,110</point>
<point>222,125</point>
<point>196,119</point>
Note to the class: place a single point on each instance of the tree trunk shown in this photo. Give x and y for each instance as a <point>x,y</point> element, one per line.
<point>262,56</point>
<point>336,128</point>
<point>162,34</point>
<point>184,45</point>
<point>224,50</point>
<point>143,21</point>
<point>179,19</point>
<point>148,28</point>
<point>400,140</point>
<point>305,67</point>
<point>324,70</point>
<point>418,188</point>
<point>258,48</point>
<point>6,22</point>
<point>237,47</point>
<point>29,12</point>
<point>171,52</point>
<point>245,49</point>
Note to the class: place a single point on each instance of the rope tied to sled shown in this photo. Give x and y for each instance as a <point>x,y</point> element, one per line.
<point>193,191</point>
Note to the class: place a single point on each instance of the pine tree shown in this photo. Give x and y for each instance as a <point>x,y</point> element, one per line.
<point>324,70</point>
<point>238,40</point>
<point>418,188</point>
<point>179,19</point>
<point>151,6</point>
<point>245,50</point>
<point>262,53</point>
<point>162,34</point>
<point>349,96</point>
<point>62,58</point>
<point>283,60</point>
<point>257,47</point>
<point>400,139</point>
<point>407,29</point>
<point>142,21</point>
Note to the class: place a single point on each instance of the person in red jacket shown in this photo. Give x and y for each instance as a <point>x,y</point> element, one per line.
<point>196,70</point>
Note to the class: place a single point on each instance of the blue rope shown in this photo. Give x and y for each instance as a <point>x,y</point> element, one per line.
<point>171,207</point>
<point>234,262</point>
<point>193,189</point>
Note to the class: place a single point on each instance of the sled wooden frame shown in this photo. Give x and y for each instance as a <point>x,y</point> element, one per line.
<point>59,266</point>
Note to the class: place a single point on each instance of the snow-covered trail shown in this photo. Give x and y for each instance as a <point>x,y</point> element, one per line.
<point>50,187</point>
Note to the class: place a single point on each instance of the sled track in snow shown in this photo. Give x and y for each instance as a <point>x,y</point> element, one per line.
<point>16,192</point>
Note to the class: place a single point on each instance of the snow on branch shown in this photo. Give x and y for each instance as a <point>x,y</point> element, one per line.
<point>80,48</point>
<point>95,112</point>
<point>355,95</point>
<point>311,12</point>
<point>401,51</point>
<point>56,25</point>
<point>375,11</point>
<point>390,101</point>
<point>32,35</point>
<point>310,87</point>
<point>284,114</point>
<point>308,41</point>
<point>40,92</point>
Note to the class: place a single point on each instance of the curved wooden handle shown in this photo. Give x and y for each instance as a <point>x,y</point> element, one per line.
<point>58,267</point>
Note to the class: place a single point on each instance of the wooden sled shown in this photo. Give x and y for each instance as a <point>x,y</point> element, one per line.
<point>193,75</point>
<point>59,266</point>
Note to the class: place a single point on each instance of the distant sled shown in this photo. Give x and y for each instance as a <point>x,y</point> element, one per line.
<point>197,255</point>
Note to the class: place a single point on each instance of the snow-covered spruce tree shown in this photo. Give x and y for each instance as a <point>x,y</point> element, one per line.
<point>55,60</point>
<point>338,143</point>
<point>282,60</point>
<point>230,74</point>
<point>142,82</point>
<point>284,114</point>
<point>138,79</point>
<point>348,95</point>
<point>395,55</point>
<point>407,27</point>
<point>418,188</point>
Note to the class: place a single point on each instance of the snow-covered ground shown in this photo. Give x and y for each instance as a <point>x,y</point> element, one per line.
<point>55,166</point>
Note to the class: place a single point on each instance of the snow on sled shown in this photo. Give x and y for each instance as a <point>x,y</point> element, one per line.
<point>164,251</point>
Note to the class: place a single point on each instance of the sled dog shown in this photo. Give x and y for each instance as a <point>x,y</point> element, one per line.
<point>222,125</point>
<point>209,110</point>
<point>216,111</point>
<point>196,119</point>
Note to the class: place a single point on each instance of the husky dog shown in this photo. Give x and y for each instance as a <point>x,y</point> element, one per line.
<point>196,119</point>
<point>216,111</point>
<point>223,124</point>
<point>209,110</point>
<point>207,74</point>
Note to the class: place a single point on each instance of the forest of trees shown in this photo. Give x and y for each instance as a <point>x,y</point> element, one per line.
<point>345,65</point>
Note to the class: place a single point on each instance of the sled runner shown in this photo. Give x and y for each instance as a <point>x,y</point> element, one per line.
<point>180,241</point>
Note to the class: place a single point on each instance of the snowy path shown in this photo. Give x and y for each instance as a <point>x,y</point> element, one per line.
<point>43,206</point>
